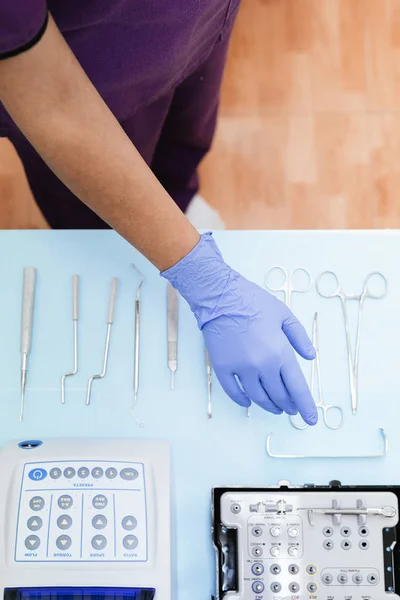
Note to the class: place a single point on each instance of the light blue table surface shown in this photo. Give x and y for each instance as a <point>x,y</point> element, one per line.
<point>230,448</point>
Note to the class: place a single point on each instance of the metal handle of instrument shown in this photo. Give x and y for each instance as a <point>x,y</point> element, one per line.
<point>28,301</point>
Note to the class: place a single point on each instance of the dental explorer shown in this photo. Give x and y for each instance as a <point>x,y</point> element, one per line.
<point>28,301</point>
<point>137,349</point>
<point>75,318</point>
<point>209,385</point>
<point>172,334</point>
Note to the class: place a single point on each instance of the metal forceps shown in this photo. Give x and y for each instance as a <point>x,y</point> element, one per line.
<point>316,370</point>
<point>353,360</point>
<point>287,287</point>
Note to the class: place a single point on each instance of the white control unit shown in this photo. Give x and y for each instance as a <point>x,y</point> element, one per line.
<point>86,514</point>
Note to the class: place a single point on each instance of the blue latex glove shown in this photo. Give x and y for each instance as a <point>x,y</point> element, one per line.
<point>249,334</point>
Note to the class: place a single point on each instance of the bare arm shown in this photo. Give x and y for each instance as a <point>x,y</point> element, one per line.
<point>57,108</point>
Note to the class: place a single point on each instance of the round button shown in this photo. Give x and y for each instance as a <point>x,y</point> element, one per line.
<point>257,551</point>
<point>32,542</point>
<point>37,474</point>
<point>97,473</point>
<point>294,587</point>
<point>312,587</point>
<point>83,472</point>
<point>345,531</point>
<point>99,522</point>
<point>364,544</point>
<point>129,523</point>
<point>129,474</point>
<point>130,542</point>
<point>55,473</point>
<point>257,569</point>
<point>64,522</point>
<point>357,579</point>
<point>257,531</point>
<point>258,587</point>
<point>275,551</point>
<point>342,578</point>
<point>65,502</point>
<point>328,544</point>
<point>36,503</point>
<point>275,569</point>
<point>275,531</point>
<point>372,579</point>
<point>63,542</point>
<point>293,532</point>
<point>363,531</point>
<point>311,569</point>
<point>69,473</point>
<point>34,523</point>
<point>327,531</point>
<point>293,569</point>
<point>111,473</point>
<point>327,578</point>
<point>99,542</point>
<point>293,551</point>
<point>99,502</point>
<point>275,587</point>
<point>346,544</point>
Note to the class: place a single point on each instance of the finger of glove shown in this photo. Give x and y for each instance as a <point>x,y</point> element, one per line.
<point>277,392</point>
<point>257,394</point>
<point>298,389</point>
<point>297,336</point>
<point>231,388</point>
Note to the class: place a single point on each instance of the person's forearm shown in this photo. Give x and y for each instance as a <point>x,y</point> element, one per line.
<point>54,104</point>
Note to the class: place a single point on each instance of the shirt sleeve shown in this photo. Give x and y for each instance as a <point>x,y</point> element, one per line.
<point>22,24</point>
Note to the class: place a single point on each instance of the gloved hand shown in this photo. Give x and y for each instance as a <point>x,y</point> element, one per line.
<point>249,334</point>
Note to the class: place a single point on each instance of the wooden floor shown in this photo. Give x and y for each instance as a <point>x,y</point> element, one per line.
<point>309,129</point>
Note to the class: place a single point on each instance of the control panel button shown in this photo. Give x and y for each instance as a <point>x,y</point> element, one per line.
<point>129,523</point>
<point>364,544</point>
<point>293,532</point>
<point>327,531</point>
<point>99,542</point>
<point>99,522</point>
<point>327,578</point>
<point>34,523</point>
<point>293,551</point>
<point>129,474</point>
<point>257,551</point>
<point>357,578</point>
<point>36,503</point>
<point>37,474</point>
<point>111,473</point>
<point>257,569</point>
<point>69,473</point>
<point>312,587</point>
<point>345,531</point>
<point>275,569</point>
<point>293,569</point>
<point>55,473</point>
<point>83,473</point>
<point>275,587</point>
<point>63,542</point>
<point>346,544</point>
<point>363,531</point>
<point>64,522</point>
<point>100,501</point>
<point>275,551</point>
<point>275,531</point>
<point>328,544</point>
<point>32,542</point>
<point>65,502</point>
<point>342,578</point>
<point>97,473</point>
<point>311,569</point>
<point>294,587</point>
<point>258,587</point>
<point>130,542</point>
<point>372,579</point>
<point>257,531</point>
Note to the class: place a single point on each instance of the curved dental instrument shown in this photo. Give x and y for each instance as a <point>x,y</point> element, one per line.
<point>327,409</point>
<point>137,348</point>
<point>110,320</point>
<point>172,333</point>
<point>365,293</point>
<point>209,385</point>
<point>75,318</point>
<point>28,302</point>
<point>287,287</point>
<point>328,456</point>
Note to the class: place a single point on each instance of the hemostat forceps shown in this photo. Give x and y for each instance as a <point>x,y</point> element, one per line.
<point>287,287</point>
<point>366,292</point>
<point>172,333</point>
<point>316,370</point>
<point>137,349</point>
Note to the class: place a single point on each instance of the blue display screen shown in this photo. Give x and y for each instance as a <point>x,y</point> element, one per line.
<point>79,593</point>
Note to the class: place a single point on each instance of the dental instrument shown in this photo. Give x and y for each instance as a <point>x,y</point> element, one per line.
<point>209,384</point>
<point>110,320</point>
<point>172,333</point>
<point>75,318</point>
<point>137,349</point>
<point>288,287</point>
<point>28,303</point>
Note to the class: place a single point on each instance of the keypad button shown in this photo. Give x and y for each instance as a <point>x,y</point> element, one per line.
<point>327,578</point>
<point>36,503</point>
<point>311,569</point>
<point>363,531</point>
<point>257,551</point>
<point>32,542</point>
<point>293,569</point>
<point>99,522</point>
<point>83,472</point>
<point>129,474</point>
<point>372,579</point>
<point>65,502</point>
<point>69,473</point>
<point>363,544</point>
<point>63,542</point>
<point>293,532</point>
<point>130,542</point>
<point>55,473</point>
<point>312,587</point>
<point>258,587</point>
<point>346,544</point>
<point>275,531</point>
<point>100,502</point>
<point>99,542</point>
<point>257,569</point>
<point>275,551</point>
<point>328,531</point>
<point>342,578</point>
<point>294,587</point>
<point>345,531</point>
<point>97,472</point>
<point>274,569</point>
<point>64,522</point>
<point>34,523</point>
<point>111,473</point>
<point>357,579</point>
<point>257,531</point>
<point>328,544</point>
<point>129,523</point>
<point>275,587</point>
<point>37,474</point>
<point>293,551</point>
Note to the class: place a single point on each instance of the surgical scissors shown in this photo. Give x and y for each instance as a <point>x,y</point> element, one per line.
<point>287,287</point>
<point>353,360</point>
<point>316,370</point>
